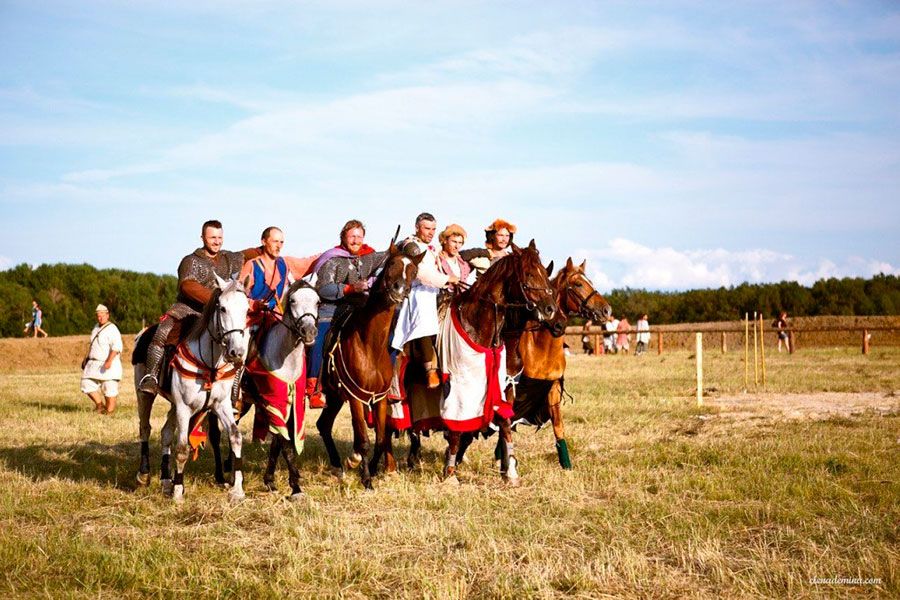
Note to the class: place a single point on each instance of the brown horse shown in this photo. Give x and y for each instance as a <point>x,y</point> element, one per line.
<point>538,395</point>
<point>358,366</point>
<point>516,284</point>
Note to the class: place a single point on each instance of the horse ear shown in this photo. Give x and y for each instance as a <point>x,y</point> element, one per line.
<point>569,264</point>
<point>583,265</point>
<point>220,283</point>
<point>550,269</point>
<point>417,258</point>
<point>531,245</point>
<point>393,249</point>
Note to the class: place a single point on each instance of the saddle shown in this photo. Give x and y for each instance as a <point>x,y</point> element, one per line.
<point>341,316</point>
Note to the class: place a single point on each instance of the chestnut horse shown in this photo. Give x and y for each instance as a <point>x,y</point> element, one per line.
<point>480,314</point>
<point>358,366</point>
<point>541,385</point>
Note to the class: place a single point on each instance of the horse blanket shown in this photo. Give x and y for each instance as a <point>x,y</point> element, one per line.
<point>474,378</point>
<point>283,404</point>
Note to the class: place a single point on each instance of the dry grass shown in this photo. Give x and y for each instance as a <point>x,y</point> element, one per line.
<point>666,500</point>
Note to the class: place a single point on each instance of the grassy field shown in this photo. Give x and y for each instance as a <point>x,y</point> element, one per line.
<point>750,496</point>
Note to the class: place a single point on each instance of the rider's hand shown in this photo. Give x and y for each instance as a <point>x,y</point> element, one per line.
<point>453,279</point>
<point>360,286</point>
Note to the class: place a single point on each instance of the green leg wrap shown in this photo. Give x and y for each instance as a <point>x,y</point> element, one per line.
<point>562,450</point>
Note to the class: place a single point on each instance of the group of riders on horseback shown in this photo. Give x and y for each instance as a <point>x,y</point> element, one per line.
<point>371,321</point>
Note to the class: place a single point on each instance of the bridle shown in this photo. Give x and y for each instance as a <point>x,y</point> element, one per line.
<point>291,323</point>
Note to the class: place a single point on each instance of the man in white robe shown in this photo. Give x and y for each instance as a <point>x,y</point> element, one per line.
<point>417,317</point>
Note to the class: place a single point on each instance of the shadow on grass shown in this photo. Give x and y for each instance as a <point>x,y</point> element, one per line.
<point>60,408</point>
<point>116,465</point>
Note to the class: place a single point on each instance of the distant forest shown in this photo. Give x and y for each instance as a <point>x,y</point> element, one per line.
<point>68,295</point>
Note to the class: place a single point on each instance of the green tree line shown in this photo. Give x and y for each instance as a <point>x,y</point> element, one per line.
<point>68,295</point>
<point>879,295</point>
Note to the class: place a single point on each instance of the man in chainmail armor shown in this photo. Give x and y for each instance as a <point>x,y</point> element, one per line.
<point>344,275</point>
<point>196,282</point>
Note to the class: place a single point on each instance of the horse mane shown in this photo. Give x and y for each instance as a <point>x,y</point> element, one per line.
<point>505,269</point>
<point>203,321</point>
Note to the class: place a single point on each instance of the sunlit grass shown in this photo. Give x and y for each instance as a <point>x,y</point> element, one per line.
<point>666,499</point>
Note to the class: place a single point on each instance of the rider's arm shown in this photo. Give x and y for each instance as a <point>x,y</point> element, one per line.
<point>300,267</point>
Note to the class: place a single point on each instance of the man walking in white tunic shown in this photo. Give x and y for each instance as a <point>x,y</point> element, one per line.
<point>102,367</point>
<point>418,315</point>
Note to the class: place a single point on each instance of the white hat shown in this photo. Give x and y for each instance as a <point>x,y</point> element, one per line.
<point>101,308</point>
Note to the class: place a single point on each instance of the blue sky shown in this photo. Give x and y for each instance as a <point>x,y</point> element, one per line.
<point>673,144</point>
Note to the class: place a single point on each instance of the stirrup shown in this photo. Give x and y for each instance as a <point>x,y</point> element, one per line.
<point>149,384</point>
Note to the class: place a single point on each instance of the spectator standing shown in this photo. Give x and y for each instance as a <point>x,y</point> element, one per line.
<point>643,335</point>
<point>586,344</point>
<point>781,324</point>
<point>102,367</point>
<point>609,340</point>
<point>623,329</point>
<point>37,319</point>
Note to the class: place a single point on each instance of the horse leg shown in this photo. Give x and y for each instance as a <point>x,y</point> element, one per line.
<point>145,407</point>
<point>465,440</point>
<point>226,418</point>
<point>360,443</point>
<point>325,424</point>
<point>508,462</point>
<point>274,453</point>
<point>215,439</point>
<point>182,449</point>
<point>290,456</point>
<point>167,436</point>
<point>390,463</point>
<point>450,459</point>
<point>379,414</point>
<point>555,407</point>
<point>413,458</point>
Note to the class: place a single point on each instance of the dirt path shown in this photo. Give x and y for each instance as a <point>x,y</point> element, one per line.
<point>815,407</point>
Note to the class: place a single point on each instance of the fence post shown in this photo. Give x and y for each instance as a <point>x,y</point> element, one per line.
<point>699,369</point>
<point>755,352</point>
<point>724,343</point>
<point>746,350</point>
<point>659,343</point>
<point>865,343</point>
<point>762,350</point>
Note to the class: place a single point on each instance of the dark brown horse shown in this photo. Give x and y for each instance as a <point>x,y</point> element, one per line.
<point>358,367</point>
<point>517,284</point>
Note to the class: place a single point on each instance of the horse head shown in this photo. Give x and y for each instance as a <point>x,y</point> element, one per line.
<point>533,284</point>
<point>228,323</point>
<point>398,274</point>
<point>577,294</point>
<point>301,311</point>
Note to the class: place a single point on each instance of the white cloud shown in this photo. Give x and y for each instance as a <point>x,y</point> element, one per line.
<point>625,263</point>
<point>5,263</point>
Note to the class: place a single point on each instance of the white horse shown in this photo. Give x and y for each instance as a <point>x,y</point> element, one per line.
<point>203,375</point>
<point>280,371</point>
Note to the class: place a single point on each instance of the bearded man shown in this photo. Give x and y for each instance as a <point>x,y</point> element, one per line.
<point>196,282</point>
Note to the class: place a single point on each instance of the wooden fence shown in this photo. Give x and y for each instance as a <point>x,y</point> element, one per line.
<point>681,337</point>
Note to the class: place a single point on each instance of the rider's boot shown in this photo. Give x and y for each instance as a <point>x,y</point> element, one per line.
<point>150,382</point>
<point>316,399</point>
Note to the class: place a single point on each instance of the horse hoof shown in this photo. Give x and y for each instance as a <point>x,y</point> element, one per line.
<point>271,487</point>
<point>168,488</point>
<point>352,461</point>
<point>337,472</point>
<point>368,485</point>
<point>143,479</point>
<point>513,481</point>
<point>178,494</point>
<point>296,497</point>
<point>451,481</point>
<point>236,496</point>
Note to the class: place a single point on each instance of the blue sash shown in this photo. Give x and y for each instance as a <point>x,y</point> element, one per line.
<point>261,290</point>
